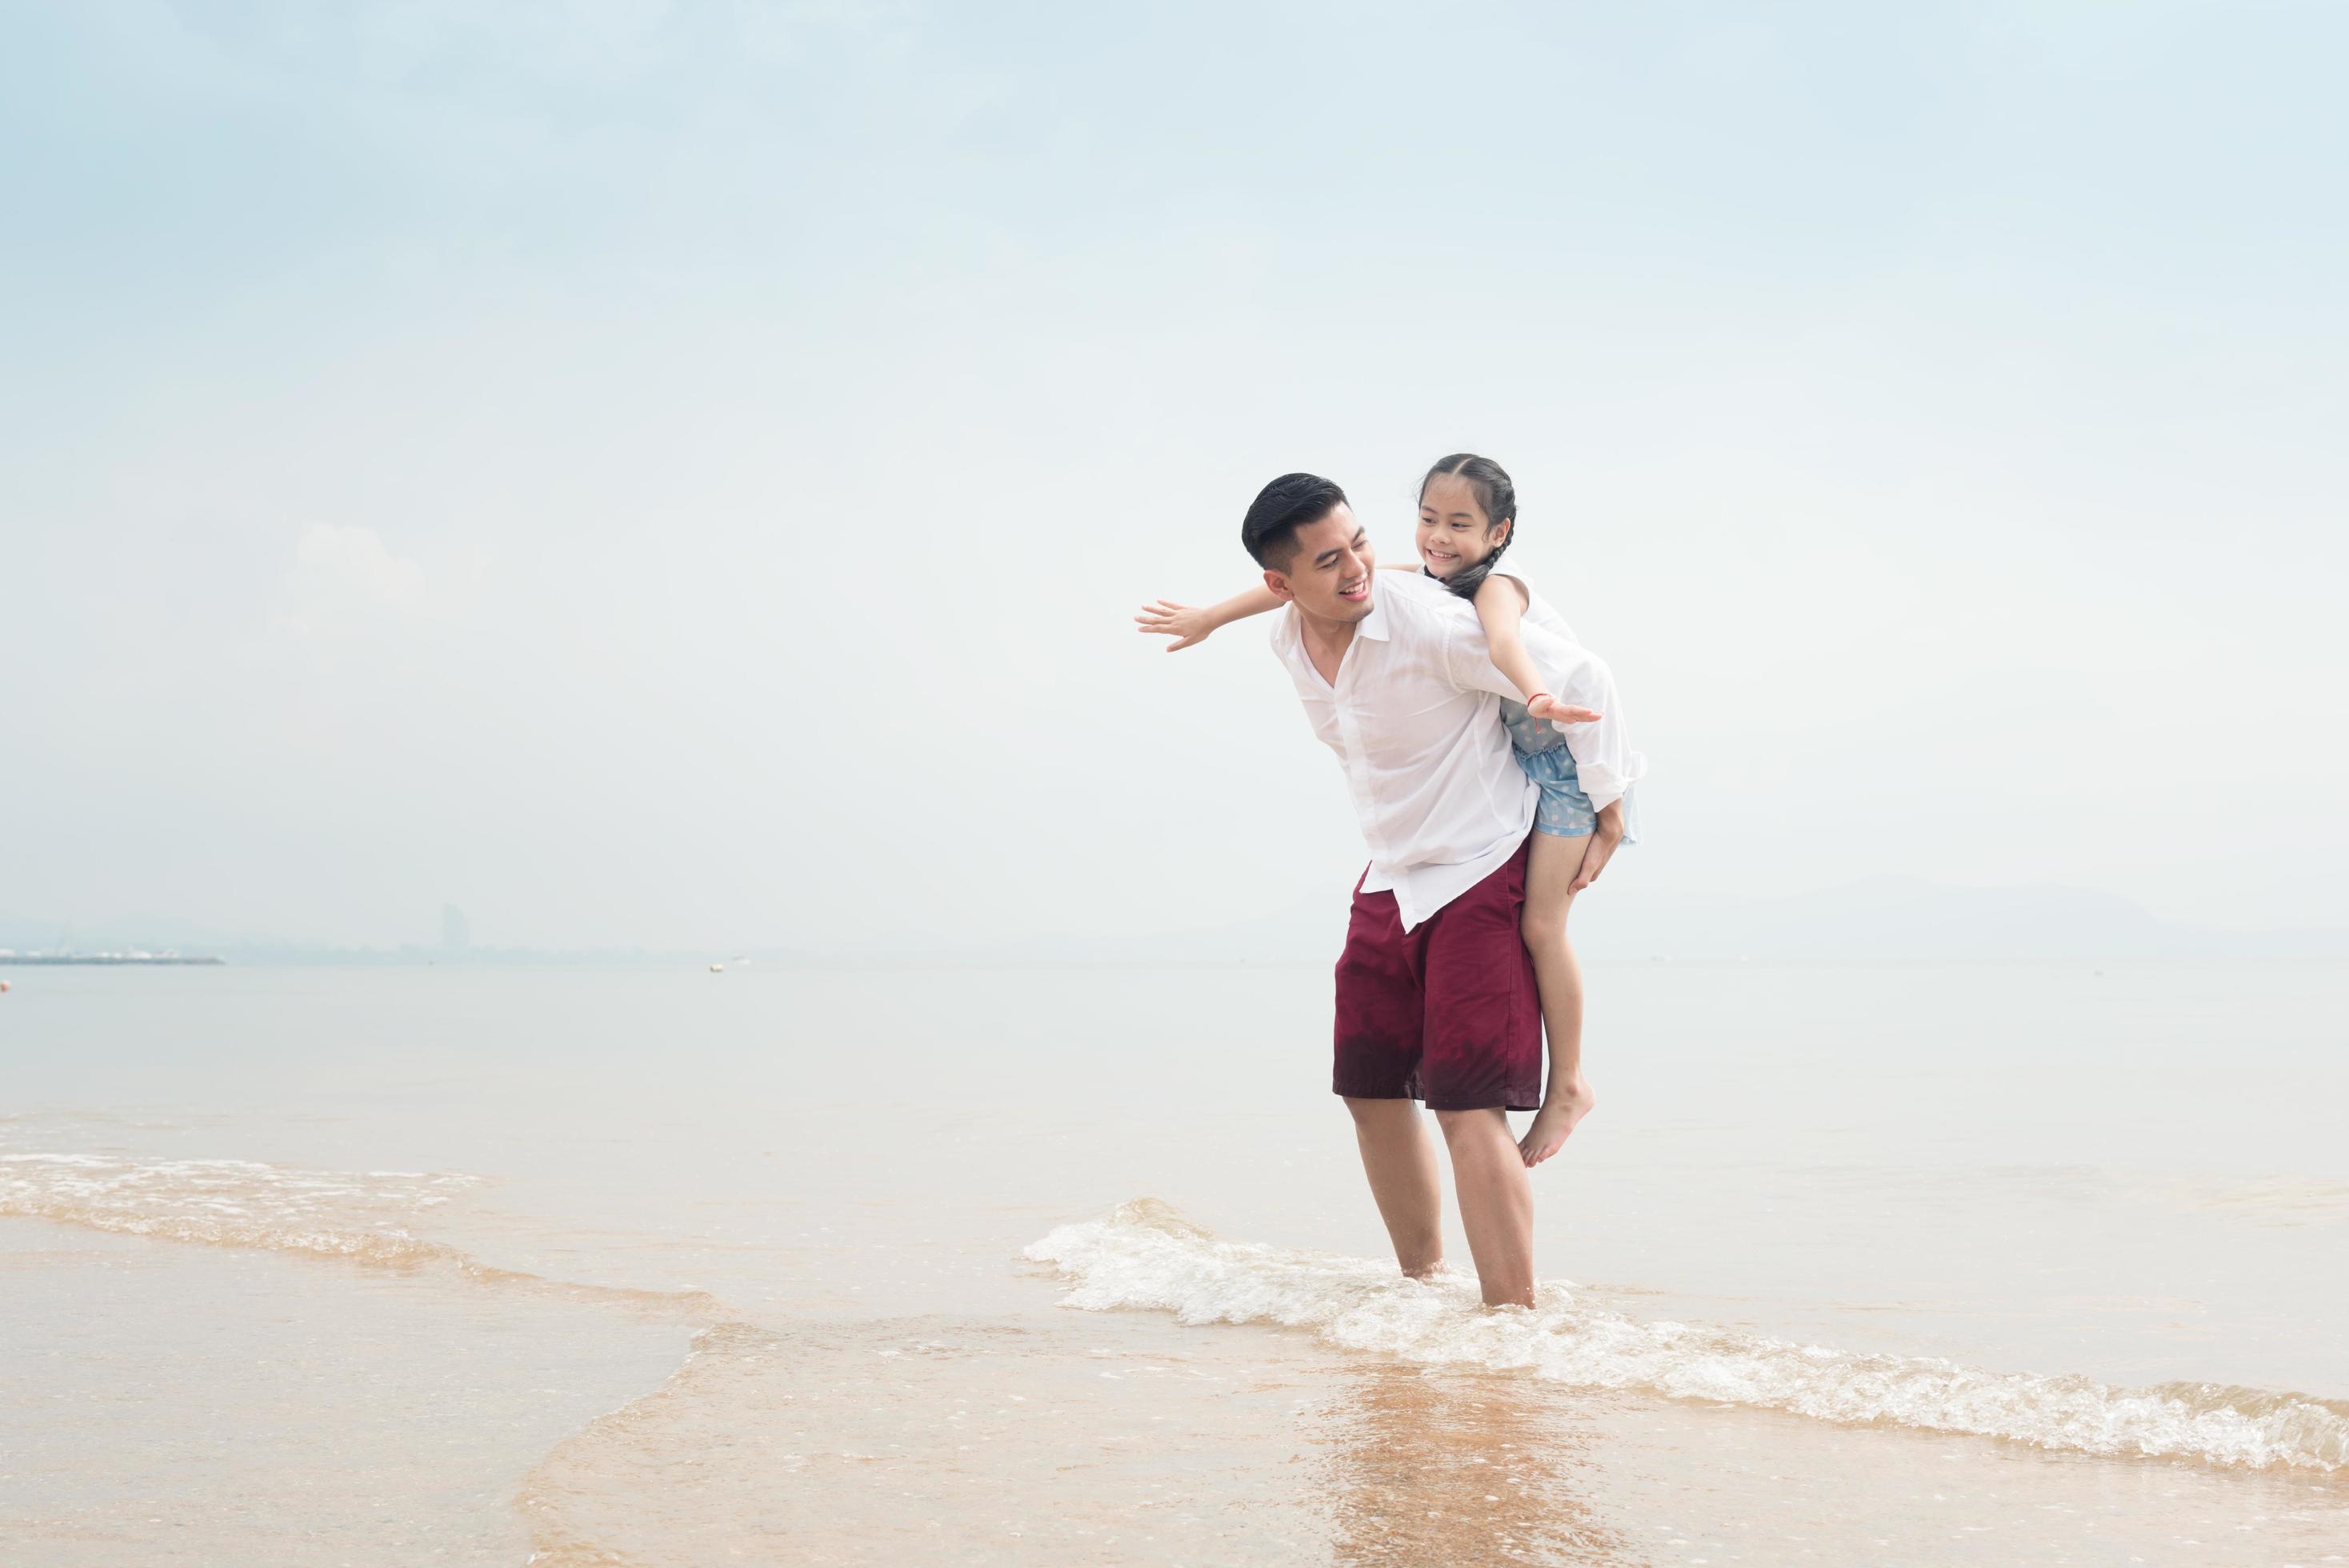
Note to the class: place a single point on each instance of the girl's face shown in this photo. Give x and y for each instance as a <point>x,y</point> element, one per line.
<point>1453,532</point>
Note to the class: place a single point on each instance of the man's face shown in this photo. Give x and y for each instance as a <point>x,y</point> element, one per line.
<point>1331,575</point>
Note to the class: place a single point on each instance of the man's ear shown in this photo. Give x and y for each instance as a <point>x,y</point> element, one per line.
<point>1278,583</point>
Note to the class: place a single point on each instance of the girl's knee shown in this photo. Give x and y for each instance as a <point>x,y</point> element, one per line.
<point>1543,928</point>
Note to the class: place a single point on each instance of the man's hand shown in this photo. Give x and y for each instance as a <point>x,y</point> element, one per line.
<point>1545,706</point>
<point>1602,846</point>
<point>1167,619</point>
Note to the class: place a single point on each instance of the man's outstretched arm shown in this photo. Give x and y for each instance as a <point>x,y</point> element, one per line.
<point>1190,625</point>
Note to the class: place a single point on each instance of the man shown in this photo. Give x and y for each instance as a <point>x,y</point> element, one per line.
<point>1435,991</point>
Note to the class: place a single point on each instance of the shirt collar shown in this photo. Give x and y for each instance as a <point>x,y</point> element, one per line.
<point>1374,625</point>
<point>1289,637</point>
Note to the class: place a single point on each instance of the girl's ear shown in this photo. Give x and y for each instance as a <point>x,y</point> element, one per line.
<point>1502,529</point>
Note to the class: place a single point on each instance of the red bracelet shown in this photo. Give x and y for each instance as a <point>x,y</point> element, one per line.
<point>1535,698</point>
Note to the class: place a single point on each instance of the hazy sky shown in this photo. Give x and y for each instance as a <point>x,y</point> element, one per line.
<point>680,473</point>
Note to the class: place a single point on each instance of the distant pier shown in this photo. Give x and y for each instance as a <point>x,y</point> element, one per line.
<point>149,960</point>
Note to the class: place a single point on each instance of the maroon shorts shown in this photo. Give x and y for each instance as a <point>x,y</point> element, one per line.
<point>1447,1012</point>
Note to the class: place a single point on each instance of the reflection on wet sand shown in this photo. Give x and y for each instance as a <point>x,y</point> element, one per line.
<point>1447,1467</point>
<point>927,1440</point>
<point>1093,1441</point>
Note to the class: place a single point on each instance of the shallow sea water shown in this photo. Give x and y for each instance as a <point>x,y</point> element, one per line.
<point>1862,1264</point>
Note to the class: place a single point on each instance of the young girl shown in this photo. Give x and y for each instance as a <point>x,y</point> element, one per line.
<point>1467,517</point>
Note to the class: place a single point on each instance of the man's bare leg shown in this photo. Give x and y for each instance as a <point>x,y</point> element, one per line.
<point>1496,1203</point>
<point>1401,1163</point>
<point>1549,899</point>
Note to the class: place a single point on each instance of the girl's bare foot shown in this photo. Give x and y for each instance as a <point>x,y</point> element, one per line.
<point>1565,1105</point>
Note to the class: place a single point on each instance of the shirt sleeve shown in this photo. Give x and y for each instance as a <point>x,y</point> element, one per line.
<point>1602,751</point>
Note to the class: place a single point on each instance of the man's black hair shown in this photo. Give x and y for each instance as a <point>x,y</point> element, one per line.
<point>1269,532</point>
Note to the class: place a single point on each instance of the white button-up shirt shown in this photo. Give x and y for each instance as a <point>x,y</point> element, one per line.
<point>1413,719</point>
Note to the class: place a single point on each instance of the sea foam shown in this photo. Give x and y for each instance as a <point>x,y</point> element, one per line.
<point>1145,1256</point>
<point>364,1216</point>
<point>234,1202</point>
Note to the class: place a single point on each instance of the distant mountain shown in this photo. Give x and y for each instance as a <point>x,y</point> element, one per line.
<point>1882,918</point>
<point>1911,918</point>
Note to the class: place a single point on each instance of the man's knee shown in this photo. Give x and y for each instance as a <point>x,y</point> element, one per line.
<point>1466,1123</point>
<point>1378,1113</point>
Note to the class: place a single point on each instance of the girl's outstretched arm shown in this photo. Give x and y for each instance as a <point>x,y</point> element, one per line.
<point>1501,604</point>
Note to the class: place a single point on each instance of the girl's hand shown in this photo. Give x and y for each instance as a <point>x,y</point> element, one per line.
<point>1545,706</point>
<point>1180,622</point>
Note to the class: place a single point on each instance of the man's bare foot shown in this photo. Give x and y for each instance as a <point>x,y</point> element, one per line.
<point>1562,1108</point>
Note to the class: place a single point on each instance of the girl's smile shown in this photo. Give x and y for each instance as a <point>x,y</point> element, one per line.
<point>1453,532</point>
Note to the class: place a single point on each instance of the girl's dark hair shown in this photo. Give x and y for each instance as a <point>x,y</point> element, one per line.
<point>1496,495</point>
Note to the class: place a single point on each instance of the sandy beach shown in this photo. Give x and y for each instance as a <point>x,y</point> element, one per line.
<point>581,1266</point>
<point>620,946</point>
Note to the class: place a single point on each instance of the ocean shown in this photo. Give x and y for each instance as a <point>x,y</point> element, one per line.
<point>1861,1263</point>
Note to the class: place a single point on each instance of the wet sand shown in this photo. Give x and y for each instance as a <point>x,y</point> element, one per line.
<point>588,1268</point>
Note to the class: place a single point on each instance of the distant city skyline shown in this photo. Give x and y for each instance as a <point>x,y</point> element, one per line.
<point>1886,918</point>
<point>672,476</point>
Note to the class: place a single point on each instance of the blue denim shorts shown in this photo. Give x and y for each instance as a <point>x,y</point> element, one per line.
<point>1564,811</point>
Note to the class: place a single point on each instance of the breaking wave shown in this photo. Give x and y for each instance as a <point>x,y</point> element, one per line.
<point>235,1203</point>
<point>364,1216</point>
<point>1145,1256</point>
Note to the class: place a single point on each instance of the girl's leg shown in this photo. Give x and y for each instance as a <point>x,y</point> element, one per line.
<point>1549,878</point>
